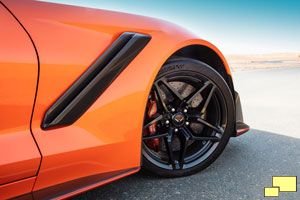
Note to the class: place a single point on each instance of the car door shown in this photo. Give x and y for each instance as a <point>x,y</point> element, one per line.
<point>19,154</point>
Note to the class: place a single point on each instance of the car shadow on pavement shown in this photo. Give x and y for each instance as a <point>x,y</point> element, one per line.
<point>241,172</point>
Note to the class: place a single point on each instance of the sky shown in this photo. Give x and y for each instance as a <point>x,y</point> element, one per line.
<point>234,26</point>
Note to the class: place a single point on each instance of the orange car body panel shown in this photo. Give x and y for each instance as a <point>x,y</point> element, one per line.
<point>19,155</point>
<point>11,190</point>
<point>107,137</point>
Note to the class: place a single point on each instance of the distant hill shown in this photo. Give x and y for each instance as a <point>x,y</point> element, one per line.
<point>263,61</point>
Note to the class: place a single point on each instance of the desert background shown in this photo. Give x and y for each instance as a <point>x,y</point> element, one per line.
<point>263,61</point>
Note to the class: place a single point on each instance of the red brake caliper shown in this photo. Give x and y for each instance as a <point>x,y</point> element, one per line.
<point>152,110</point>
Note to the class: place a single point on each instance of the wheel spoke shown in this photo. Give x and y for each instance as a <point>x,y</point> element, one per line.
<point>168,143</point>
<point>186,131</point>
<point>208,100</point>
<point>184,137</point>
<point>199,120</point>
<point>159,97</point>
<point>160,117</point>
<point>214,139</point>
<point>189,133</point>
<point>190,99</point>
<point>155,136</point>
<point>164,81</point>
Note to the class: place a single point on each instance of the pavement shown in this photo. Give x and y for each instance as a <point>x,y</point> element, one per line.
<point>271,106</point>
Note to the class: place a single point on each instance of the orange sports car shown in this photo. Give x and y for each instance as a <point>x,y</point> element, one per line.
<point>89,96</point>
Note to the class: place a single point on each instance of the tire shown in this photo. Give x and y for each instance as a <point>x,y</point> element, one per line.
<point>193,122</point>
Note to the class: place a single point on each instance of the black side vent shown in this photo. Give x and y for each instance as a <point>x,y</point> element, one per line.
<point>95,80</point>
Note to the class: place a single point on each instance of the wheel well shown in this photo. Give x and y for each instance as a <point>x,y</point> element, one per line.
<point>208,56</point>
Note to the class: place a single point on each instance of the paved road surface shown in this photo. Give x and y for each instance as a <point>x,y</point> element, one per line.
<point>271,103</point>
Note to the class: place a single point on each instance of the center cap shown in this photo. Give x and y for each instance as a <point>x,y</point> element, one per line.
<point>178,119</point>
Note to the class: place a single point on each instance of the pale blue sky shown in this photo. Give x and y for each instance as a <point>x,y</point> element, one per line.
<point>234,26</point>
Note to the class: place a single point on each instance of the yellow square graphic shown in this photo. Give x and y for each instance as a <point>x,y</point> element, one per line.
<point>271,191</point>
<point>285,183</point>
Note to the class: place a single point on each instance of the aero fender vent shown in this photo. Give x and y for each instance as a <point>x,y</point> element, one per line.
<point>95,80</point>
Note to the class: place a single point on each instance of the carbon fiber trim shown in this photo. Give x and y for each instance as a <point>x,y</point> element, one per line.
<point>240,126</point>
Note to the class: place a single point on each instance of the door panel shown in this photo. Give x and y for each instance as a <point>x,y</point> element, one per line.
<point>19,155</point>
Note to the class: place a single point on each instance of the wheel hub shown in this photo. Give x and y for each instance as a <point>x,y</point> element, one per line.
<point>178,119</point>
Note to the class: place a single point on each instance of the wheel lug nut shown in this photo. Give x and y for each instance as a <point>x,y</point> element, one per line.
<point>187,123</point>
<point>173,109</point>
<point>176,130</point>
<point>167,122</point>
<point>185,110</point>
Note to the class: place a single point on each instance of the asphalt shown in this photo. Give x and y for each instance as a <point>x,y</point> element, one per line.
<point>271,105</point>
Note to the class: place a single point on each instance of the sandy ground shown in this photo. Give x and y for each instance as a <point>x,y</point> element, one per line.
<point>263,61</point>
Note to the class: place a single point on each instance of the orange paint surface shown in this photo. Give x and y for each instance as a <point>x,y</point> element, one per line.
<point>17,188</point>
<point>19,156</point>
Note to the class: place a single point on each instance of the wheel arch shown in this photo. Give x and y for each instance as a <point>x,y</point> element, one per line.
<point>209,56</point>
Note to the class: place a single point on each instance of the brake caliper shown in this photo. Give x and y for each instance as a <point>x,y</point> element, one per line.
<point>152,110</point>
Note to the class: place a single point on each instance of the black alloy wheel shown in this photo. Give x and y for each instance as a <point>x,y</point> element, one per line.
<point>188,120</point>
